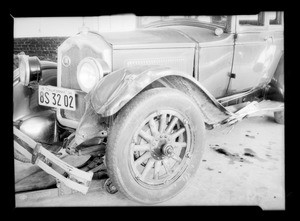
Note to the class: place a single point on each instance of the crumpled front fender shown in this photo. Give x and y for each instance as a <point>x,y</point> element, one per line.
<point>116,89</point>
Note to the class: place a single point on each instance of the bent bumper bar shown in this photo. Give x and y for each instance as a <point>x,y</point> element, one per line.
<point>77,179</point>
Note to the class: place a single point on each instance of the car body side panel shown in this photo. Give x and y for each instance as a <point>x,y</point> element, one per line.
<point>215,65</point>
<point>257,53</point>
<point>215,54</point>
<point>279,73</point>
<point>206,37</point>
<point>181,59</point>
<point>247,64</point>
<point>253,59</point>
<point>151,38</point>
<point>279,53</point>
<point>275,90</point>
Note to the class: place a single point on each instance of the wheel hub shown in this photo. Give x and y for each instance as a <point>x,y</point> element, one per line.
<point>168,150</point>
<point>161,148</point>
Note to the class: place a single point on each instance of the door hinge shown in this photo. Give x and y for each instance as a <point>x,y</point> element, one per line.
<point>235,36</point>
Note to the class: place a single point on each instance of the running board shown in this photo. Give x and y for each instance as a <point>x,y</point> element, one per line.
<point>253,107</point>
<point>77,179</point>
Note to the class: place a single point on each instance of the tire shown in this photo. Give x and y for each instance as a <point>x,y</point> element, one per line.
<point>161,152</point>
<point>279,117</point>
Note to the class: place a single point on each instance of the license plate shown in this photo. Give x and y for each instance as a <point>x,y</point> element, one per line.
<point>57,97</point>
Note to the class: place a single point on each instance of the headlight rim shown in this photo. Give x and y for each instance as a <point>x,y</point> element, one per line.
<point>96,63</point>
<point>24,73</point>
<point>32,70</point>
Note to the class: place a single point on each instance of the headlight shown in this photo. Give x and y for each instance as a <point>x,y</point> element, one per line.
<point>89,72</point>
<point>29,69</point>
<point>24,69</point>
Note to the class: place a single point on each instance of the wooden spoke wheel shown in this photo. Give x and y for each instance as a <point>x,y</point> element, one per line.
<point>155,145</point>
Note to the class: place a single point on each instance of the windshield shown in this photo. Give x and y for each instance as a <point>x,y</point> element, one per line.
<point>216,20</point>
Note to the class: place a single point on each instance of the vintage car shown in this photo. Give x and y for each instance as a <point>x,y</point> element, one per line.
<point>143,99</point>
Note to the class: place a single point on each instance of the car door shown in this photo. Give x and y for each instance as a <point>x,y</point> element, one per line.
<point>275,25</point>
<point>253,53</point>
<point>215,55</point>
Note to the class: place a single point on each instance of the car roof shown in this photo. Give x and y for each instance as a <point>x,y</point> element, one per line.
<point>182,22</point>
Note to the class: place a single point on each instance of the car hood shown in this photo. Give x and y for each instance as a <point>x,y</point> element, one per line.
<point>147,38</point>
<point>172,36</point>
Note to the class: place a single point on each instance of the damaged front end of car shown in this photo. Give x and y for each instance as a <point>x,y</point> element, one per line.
<point>64,113</point>
<point>38,137</point>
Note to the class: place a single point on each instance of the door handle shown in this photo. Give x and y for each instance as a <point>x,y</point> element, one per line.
<point>268,38</point>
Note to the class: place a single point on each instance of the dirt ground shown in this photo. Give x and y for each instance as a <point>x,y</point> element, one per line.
<point>243,165</point>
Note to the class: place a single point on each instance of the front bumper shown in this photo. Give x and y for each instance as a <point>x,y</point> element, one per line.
<point>77,179</point>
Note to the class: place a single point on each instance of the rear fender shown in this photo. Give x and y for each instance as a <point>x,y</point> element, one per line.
<point>119,87</point>
<point>275,89</point>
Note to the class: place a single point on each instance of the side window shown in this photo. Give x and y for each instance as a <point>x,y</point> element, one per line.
<point>274,18</point>
<point>252,20</point>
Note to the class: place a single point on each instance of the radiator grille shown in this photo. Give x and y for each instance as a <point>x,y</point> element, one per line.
<point>68,74</point>
<point>69,79</point>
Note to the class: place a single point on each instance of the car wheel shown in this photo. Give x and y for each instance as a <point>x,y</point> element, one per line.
<point>155,145</point>
<point>279,117</point>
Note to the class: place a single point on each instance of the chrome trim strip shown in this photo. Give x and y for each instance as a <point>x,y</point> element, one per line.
<point>153,46</point>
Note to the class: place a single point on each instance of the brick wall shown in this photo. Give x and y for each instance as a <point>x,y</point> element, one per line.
<point>45,48</point>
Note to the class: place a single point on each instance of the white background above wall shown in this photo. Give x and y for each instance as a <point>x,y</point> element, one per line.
<point>68,26</point>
